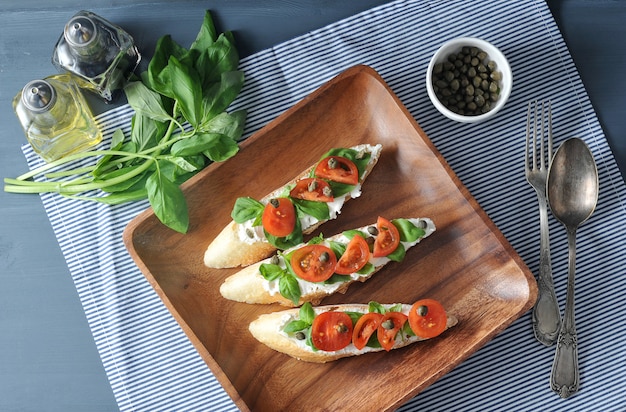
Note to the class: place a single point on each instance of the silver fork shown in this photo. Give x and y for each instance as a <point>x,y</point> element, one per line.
<point>546,316</point>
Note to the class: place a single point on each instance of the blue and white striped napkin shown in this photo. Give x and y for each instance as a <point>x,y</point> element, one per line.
<point>151,364</point>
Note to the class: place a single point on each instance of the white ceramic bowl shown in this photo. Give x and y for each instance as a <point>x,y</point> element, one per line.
<point>454,46</point>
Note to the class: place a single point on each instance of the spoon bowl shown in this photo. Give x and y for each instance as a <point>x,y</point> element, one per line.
<point>572,190</point>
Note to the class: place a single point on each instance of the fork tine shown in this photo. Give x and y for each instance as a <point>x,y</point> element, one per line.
<point>527,163</point>
<point>549,132</point>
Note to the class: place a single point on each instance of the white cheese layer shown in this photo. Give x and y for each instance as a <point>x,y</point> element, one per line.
<point>310,288</point>
<point>250,234</point>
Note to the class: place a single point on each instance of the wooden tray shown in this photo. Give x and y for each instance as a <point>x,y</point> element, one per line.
<point>467,263</point>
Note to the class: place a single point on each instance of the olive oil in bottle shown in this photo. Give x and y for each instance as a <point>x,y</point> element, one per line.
<point>101,54</point>
<point>55,117</point>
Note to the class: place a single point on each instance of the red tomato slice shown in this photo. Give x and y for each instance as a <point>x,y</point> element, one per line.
<point>365,328</point>
<point>331,331</point>
<point>315,263</point>
<point>387,239</point>
<point>357,254</point>
<point>279,217</point>
<point>390,325</point>
<point>427,318</point>
<point>338,169</point>
<point>314,189</point>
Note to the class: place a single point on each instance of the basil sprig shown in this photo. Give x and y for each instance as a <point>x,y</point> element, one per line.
<point>180,125</point>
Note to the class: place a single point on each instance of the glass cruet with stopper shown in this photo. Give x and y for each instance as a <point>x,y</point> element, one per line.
<point>55,117</point>
<point>101,54</point>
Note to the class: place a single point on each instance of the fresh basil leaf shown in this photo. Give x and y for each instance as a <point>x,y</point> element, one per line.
<point>319,210</point>
<point>220,57</point>
<point>398,254</point>
<point>352,233</point>
<point>228,124</point>
<point>367,269</point>
<point>146,132</point>
<point>221,95</point>
<point>146,102</point>
<point>354,316</point>
<point>307,314</point>
<point>158,73</point>
<point>316,240</point>
<point>336,278</point>
<point>395,308</point>
<point>168,202</point>
<point>289,288</point>
<point>408,231</point>
<point>376,307</point>
<point>291,240</point>
<point>270,271</point>
<point>207,34</point>
<point>246,209</point>
<point>295,326</point>
<point>221,148</point>
<point>187,91</point>
<point>216,146</point>
<point>338,248</point>
<point>181,162</point>
<point>340,189</point>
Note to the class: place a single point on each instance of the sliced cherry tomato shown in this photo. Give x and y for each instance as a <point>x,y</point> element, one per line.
<point>315,263</point>
<point>279,217</point>
<point>390,325</point>
<point>357,254</point>
<point>365,328</point>
<point>427,318</point>
<point>312,188</point>
<point>338,169</point>
<point>331,331</point>
<point>387,239</point>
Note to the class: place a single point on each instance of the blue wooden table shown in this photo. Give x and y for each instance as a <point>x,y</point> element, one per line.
<point>48,360</point>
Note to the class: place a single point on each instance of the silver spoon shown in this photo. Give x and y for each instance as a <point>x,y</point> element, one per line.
<point>572,194</point>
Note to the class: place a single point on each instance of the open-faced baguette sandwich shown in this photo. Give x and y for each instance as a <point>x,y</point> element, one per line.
<point>281,218</point>
<point>323,266</point>
<point>327,333</point>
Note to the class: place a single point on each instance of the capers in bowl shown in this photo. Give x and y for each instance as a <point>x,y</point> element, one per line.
<point>468,79</point>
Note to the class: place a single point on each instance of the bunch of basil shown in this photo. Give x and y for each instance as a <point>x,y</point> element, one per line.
<point>180,125</point>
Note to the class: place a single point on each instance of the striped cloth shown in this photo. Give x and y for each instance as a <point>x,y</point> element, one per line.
<point>151,364</point>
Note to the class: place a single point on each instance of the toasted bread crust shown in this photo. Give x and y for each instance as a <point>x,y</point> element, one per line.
<point>266,329</point>
<point>227,250</point>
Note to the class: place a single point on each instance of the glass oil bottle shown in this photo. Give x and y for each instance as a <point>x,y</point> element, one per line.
<point>102,55</point>
<point>55,117</point>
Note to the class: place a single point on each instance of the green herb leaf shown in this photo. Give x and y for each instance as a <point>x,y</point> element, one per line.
<point>307,314</point>
<point>398,254</point>
<point>376,307</point>
<point>246,208</point>
<point>319,210</point>
<point>295,326</point>
<point>270,271</point>
<point>228,124</point>
<point>221,95</point>
<point>289,288</point>
<point>168,202</point>
<point>146,102</point>
<point>187,90</point>
<point>408,231</point>
<point>207,34</point>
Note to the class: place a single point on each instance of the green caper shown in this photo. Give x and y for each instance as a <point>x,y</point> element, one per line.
<point>422,310</point>
<point>300,335</point>
<point>324,257</point>
<point>388,324</point>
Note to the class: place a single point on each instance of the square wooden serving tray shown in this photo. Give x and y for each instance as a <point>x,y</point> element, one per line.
<point>467,263</point>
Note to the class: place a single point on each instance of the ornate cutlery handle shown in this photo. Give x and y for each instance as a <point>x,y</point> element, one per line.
<point>565,376</point>
<point>546,314</point>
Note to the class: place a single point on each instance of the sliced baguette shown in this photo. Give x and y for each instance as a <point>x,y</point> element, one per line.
<point>231,248</point>
<point>249,286</point>
<point>268,329</point>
